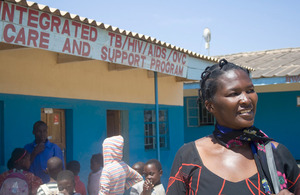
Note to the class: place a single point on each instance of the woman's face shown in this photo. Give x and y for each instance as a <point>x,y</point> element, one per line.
<point>234,104</point>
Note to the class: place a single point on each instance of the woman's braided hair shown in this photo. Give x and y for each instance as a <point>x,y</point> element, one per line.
<point>209,78</point>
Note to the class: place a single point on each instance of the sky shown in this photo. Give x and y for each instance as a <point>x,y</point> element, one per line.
<point>236,25</point>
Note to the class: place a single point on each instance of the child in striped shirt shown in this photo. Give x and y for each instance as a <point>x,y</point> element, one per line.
<point>116,174</point>
<point>54,166</point>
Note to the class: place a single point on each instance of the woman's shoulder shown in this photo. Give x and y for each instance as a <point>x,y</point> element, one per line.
<point>189,150</point>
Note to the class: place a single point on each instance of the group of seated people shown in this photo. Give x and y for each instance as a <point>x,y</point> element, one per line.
<point>19,180</point>
<point>67,181</point>
<point>39,168</point>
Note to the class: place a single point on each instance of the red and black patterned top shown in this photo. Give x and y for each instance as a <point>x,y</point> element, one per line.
<point>190,177</point>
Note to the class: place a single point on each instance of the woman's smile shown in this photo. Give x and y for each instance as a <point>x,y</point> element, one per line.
<point>234,103</point>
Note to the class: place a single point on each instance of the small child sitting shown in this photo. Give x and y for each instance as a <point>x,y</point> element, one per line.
<point>74,166</point>
<point>153,172</point>
<point>54,166</point>
<point>66,183</point>
<point>96,166</point>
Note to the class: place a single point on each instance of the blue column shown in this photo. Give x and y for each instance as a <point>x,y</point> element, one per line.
<point>157,117</point>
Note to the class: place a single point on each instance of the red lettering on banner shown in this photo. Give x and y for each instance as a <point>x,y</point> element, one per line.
<point>136,60</point>
<point>131,44</point>
<point>104,53</point>
<point>93,34</point>
<point>21,37</point>
<point>118,42</point>
<point>78,48</point>
<point>111,38</point>
<point>150,52</point>
<point>111,57</point>
<point>157,66</point>
<point>180,71</point>
<point>5,33</point>
<point>77,25</point>
<point>9,13</point>
<point>120,56</point>
<point>85,32</point>
<point>21,10</point>
<point>130,59</point>
<point>166,67</point>
<point>44,42</point>
<point>66,28</point>
<point>32,18</point>
<point>124,56</point>
<point>172,68</point>
<point>184,59</point>
<point>152,63</point>
<point>163,53</point>
<point>143,60</point>
<point>10,34</point>
<point>179,57</point>
<point>158,52</point>
<point>86,49</point>
<point>55,22</point>
<point>33,35</point>
<point>140,46</point>
<point>67,46</point>
<point>44,24</point>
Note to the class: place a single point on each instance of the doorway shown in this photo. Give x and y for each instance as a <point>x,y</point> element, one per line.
<point>56,122</point>
<point>117,124</point>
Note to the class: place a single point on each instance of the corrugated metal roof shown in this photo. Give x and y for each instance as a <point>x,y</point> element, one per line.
<point>107,27</point>
<point>269,63</point>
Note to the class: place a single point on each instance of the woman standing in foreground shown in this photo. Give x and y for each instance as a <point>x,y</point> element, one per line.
<point>232,160</point>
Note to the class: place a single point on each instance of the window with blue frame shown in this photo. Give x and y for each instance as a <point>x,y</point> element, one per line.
<point>150,129</point>
<point>2,133</point>
<point>197,115</point>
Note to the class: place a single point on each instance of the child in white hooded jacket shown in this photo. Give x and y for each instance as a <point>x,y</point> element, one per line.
<point>116,174</point>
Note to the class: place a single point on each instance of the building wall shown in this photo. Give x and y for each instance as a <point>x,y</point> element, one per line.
<point>35,72</point>
<point>87,130</point>
<point>277,115</point>
<point>30,79</point>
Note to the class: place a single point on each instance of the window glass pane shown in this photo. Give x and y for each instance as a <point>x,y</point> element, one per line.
<point>150,129</point>
<point>162,128</point>
<point>148,117</point>
<point>162,141</point>
<point>162,115</point>
<point>193,112</point>
<point>192,102</point>
<point>205,117</point>
<point>149,143</point>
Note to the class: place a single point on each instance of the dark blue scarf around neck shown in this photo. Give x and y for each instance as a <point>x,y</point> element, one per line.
<point>231,138</point>
<point>257,139</point>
